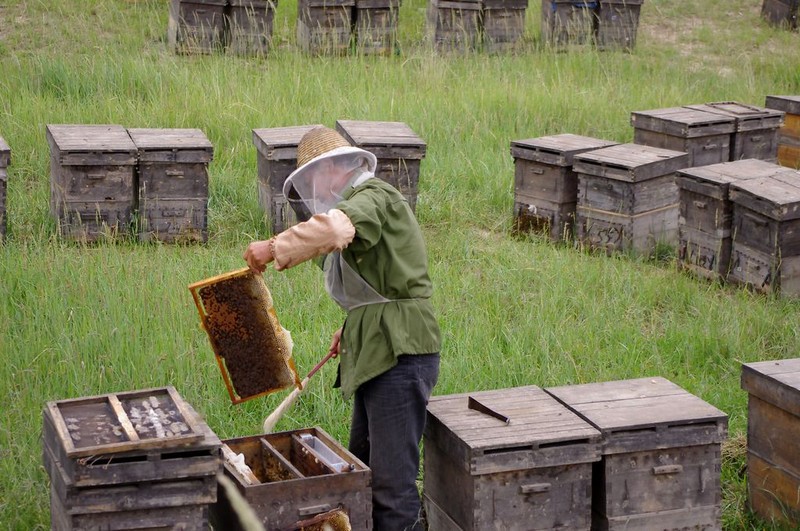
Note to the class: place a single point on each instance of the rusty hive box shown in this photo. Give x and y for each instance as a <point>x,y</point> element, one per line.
<point>398,148</point>
<point>789,134</point>
<point>172,184</point>
<point>92,180</point>
<point>196,26</point>
<point>253,351</point>
<point>617,24</point>
<point>323,26</point>
<point>782,13</point>
<point>5,160</point>
<point>532,472</point>
<point>566,22</point>
<point>298,474</point>
<point>765,253</point>
<point>453,25</point>
<point>660,464</point>
<point>705,136</point>
<point>627,197</point>
<point>706,213</point>
<point>773,429</point>
<point>248,26</point>
<point>545,185</point>
<point>375,26</point>
<point>276,154</point>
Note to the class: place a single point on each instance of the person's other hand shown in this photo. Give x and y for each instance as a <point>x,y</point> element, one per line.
<point>258,255</point>
<point>337,336</point>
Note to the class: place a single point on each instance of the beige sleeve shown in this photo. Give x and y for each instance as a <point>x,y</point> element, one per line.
<point>322,234</point>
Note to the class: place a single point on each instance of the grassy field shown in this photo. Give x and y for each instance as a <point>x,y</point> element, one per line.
<point>83,320</point>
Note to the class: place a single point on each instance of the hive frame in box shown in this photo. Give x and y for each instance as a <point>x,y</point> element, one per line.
<point>195,289</point>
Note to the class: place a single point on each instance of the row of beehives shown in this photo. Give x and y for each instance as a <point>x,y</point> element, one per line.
<point>105,180</point>
<point>672,187</point>
<point>781,13</point>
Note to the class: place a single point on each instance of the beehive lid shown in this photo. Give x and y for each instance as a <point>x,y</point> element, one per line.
<point>644,413</point>
<point>747,117</point>
<point>721,175</point>
<point>776,197</point>
<point>683,122</point>
<point>557,150</point>
<point>787,104</point>
<point>630,162</point>
<point>328,4</point>
<point>777,382</point>
<point>172,145</point>
<point>384,139</point>
<point>280,143</point>
<point>91,144</point>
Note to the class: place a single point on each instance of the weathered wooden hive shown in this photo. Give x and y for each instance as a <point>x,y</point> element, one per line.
<point>248,26</point>
<point>566,22</point>
<point>660,466</point>
<point>513,459</point>
<point>503,23</point>
<point>706,213</point>
<point>789,134</point>
<point>773,429</point>
<point>782,13</point>
<point>704,135</point>
<point>765,252</point>
<point>375,26</point>
<point>545,185</point>
<point>276,153</point>
<point>196,26</point>
<point>172,184</point>
<point>92,180</point>
<point>398,148</point>
<point>617,24</point>
<point>324,26</point>
<point>294,476</point>
<point>133,460</point>
<point>755,134</point>
<point>453,25</point>
<point>627,197</point>
<point>5,160</point>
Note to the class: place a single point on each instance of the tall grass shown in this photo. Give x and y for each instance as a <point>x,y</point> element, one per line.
<point>80,320</point>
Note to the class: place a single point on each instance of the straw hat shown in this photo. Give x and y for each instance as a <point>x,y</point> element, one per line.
<point>318,141</point>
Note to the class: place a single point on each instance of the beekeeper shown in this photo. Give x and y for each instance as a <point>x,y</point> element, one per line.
<point>375,267</point>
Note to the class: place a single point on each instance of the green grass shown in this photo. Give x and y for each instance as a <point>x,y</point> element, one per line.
<point>83,320</point>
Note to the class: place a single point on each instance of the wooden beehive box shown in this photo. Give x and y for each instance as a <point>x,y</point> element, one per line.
<point>196,26</point>
<point>755,133</point>
<point>773,429</point>
<point>503,23</point>
<point>531,473</point>
<point>92,180</point>
<point>545,185</point>
<point>660,466</point>
<point>765,253</point>
<point>248,26</point>
<point>453,25</point>
<point>789,134</point>
<point>129,460</point>
<point>566,22</point>
<point>5,160</point>
<point>705,136</point>
<point>276,153</point>
<point>399,151</point>
<point>298,474</point>
<point>706,213</point>
<point>172,184</point>
<point>782,13</point>
<point>375,26</point>
<point>627,197</point>
<point>617,24</point>
<point>324,26</point>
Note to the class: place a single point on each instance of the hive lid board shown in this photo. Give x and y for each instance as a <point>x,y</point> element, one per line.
<point>775,381</point>
<point>280,143</point>
<point>683,122</point>
<point>91,138</point>
<point>776,197</point>
<point>787,104</point>
<point>376,136</point>
<point>747,117</point>
<point>556,149</point>
<point>723,174</point>
<point>172,145</point>
<point>630,162</point>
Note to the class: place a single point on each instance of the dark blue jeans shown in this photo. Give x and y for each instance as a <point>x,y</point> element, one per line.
<point>388,418</point>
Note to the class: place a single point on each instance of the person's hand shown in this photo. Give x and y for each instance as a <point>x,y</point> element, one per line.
<point>258,255</point>
<point>337,336</point>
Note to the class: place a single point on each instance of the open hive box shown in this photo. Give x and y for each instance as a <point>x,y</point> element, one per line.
<point>253,351</point>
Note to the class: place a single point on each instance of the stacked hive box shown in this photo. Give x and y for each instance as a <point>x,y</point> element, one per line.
<point>781,13</point>
<point>323,26</point>
<point>196,26</point>
<point>375,25</point>
<point>568,21</point>
<point>545,185</point>
<point>627,197</point>
<point>399,151</point>
<point>705,136</point>
<point>277,158</point>
<point>765,253</point>
<point>789,134</point>
<point>5,159</point>
<point>503,23</point>
<point>133,460</point>
<point>173,184</point>
<point>248,25</point>
<point>706,213</point>
<point>294,476</point>
<point>508,459</point>
<point>660,466</point>
<point>454,25</point>
<point>755,133</point>
<point>92,176</point>
<point>617,24</point>
<point>773,429</point>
